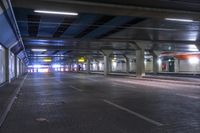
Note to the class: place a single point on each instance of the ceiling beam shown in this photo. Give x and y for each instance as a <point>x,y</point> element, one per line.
<point>33,28</point>
<point>66,23</point>
<point>101,21</point>
<point>74,48</point>
<point>122,27</point>
<point>102,8</point>
<point>27,39</point>
<point>134,27</point>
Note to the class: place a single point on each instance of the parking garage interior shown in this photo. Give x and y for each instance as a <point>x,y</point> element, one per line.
<point>97,66</point>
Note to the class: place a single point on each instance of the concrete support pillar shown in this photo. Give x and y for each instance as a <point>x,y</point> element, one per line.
<point>140,68</point>
<point>16,76</point>
<point>107,63</point>
<point>20,67</point>
<point>98,68</point>
<point>177,65</point>
<point>19,63</point>
<point>7,62</point>
<point>155,64</point>
<point>127,65</point>
<point>198,46</point>
<point>69,66</point>
<point>77,65</point>
<point>88,64</point>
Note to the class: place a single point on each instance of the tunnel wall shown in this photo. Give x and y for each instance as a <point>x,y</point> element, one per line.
<point>14,71</point>
<point>10,64</point>
<point>7,37</point>
<point>185,66</point>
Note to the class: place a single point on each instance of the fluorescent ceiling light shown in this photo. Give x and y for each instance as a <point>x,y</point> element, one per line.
<point>57,13</point>
<point>180,20</point>
<point>193,48</point>
<point>38,50</point>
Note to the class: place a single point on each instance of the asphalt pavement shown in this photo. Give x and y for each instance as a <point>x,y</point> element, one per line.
<point>83,103</point>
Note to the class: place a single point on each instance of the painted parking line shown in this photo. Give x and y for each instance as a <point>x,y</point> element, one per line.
<point>123,85</point>
<point>134,113</point>
<point>7,110</point>
<point>188,96</point>
<point>42,78</point>
<point>75,88</point>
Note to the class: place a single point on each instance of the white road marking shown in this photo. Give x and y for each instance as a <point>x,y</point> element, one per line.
<point>14,97</point>
<point>117,84</point>
<point>42,120</point>
<point>134,113</point>
<point>188,96</point>
<point>42,78</point>
<point>73,87</point>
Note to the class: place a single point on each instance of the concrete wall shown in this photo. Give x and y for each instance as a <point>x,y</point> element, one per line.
<point>148,66</point>
<point>186,66</point>
<point>19,70</point>
<point>8,39</point>
<point>182,66</point>
<point>132,65</point>
<point>94,66</point>
<point>97,65</point>
<point>118,66</point>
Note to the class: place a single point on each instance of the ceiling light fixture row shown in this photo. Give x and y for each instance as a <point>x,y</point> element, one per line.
<point>56,12</point>
<point>75,14</point>
<point>39,50</point>
<point>179,20</point>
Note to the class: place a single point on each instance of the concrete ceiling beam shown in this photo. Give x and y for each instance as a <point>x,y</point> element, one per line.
<point>133,40</point>
<point>74,49</point>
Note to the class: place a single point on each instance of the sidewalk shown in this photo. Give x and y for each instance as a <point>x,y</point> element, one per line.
<point>7,92</point>
<point>163,76</point>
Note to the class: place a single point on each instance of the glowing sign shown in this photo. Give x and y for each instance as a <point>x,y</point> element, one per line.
<point>81,60</point>
<point>47,60</point>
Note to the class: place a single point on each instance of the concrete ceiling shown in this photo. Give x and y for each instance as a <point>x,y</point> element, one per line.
<point>112,25</point>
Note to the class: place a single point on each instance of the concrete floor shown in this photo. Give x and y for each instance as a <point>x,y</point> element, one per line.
<point>81,103</point>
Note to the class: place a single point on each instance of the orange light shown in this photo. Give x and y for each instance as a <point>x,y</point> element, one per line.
<point>187,56</point>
